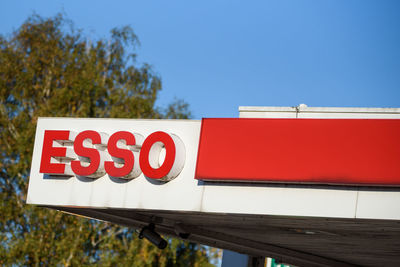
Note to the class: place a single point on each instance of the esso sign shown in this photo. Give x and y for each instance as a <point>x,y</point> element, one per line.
<point>123,154</point>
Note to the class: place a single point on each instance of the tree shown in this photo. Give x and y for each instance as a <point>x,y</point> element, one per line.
<point>47,68</point>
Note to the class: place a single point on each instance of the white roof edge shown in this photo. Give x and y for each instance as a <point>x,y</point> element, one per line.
<point>268,109</point>
<point>130,119</point>
<point>304,108</point>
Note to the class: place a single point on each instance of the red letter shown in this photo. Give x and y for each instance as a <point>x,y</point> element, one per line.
<point>150,152</point>
<point>49,151</point>
<point>126,156</point>
<point>91,153</point>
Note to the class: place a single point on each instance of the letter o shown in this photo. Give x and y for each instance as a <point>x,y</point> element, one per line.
<point>150,154</point>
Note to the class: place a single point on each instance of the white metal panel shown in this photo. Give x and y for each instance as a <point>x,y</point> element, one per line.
<point>332,115</point>
<point>267,112</point>
<point>276,200</point>
<point>268,115</point>
<point>378,204</point>
<point>181,193</point>
<point>303,111</point>
<point>354,110</point>
<point>259,109</point>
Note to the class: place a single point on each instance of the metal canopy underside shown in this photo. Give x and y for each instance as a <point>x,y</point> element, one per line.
<point>303,241</point>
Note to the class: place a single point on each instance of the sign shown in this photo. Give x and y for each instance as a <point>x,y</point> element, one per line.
<point>124,163</point>
<point>122,155</point>
<point>223,159</point>
<point>313,151</point>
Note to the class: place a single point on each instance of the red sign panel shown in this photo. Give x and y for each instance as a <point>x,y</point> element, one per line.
<point>317,151</point>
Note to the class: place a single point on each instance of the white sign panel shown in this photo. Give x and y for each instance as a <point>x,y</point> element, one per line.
<point>120,163</point>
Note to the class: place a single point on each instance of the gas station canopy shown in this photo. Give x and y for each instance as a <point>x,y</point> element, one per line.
<point>306,186</point>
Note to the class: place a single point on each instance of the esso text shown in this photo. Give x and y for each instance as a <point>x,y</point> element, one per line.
<point>122,154</point>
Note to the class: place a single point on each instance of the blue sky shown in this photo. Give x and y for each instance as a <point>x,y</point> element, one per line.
<point>218,55</point>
